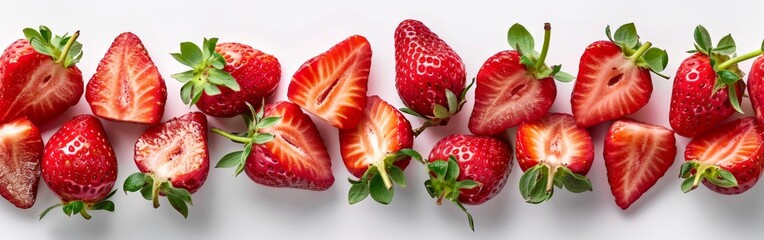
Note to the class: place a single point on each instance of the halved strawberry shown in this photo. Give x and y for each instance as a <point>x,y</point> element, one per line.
<point>756,88</point>
<point>38,76</point>
<point>636,155</point>
<point>369,151</point>
<point>173,160</point>
<point>127,85</point>
<point>614,77</point>
<point>333,84</point>
<point>20,154</point>
<point>282,148</point>
<point>553,151</point>
<point>728,158</point>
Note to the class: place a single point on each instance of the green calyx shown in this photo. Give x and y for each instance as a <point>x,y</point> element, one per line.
<point>724,60</point>
<point>151,188</point>
<point>536,184</point>
<point>693,172</point>
<point>380,177</point>
<point>443,184</point>
<point>255,122</point>
<point>441,113</point>
<point>644,55</point>
<point>80,207</point>
<point>64,50</point>
<point>206,74</point>
<point>521,40</point>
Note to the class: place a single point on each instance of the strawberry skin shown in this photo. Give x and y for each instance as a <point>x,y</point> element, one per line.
<point>736,147</point>
<point>296,157</point>
<point>257,74</point>
<point>21,150</point>
<point>79,163</point>
<point>425,66</point>
<point>756,88</point>
<point>127,86</point>
<point>636,155</point>
<point>507,95</point>
<point>695,108</point>
<point>608,85</point>
<point>485,160</point>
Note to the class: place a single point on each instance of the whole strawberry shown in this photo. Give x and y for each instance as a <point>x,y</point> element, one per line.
<point>38,76</point>
<point>756,88</point>
<point>226,77</point>
<point>515,86</point>
<point>428,74</point>
<point>80,167</point>
<point>173,160</point>
<point>707,89</point>
<point>614,77</point>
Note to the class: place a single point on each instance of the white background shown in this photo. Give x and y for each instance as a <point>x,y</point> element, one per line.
<point>227,207</point>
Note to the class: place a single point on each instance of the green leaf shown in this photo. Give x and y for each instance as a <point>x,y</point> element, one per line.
<point>687,185</point>
<point>220,77</point>
<point>440,112</point>
<point>726,46</point>
<point>42,48</point>
<point>197,93</point>
<point>470,221</point>
<point>268,122</point>
<point>230,160</point>
<point>703,39</point>
<point>521,40</point>
<point>727,76</point>
<point>379,192</point>
<point>574,182</point>
<point>47,210</point>
<point>180,193</point>
<point>556,69</point>
<point>262,138</point>
<point>656,59</point>
<point>211,89</point>
<point>732,94</point>
<point>452,102</point>
<point>76,207</point>
<point>430,188</point>
<point>626,35</point>
<point>191,53</point>
<point>134,182</point>
<point>529,64</point>
<point>685,170</point>
<point>607,33</point>
<point>564,77</point>
<point>147,192</point>
<point>186,92</point>
<point>178,205</point>
<point>179,57</point>
<point>453,169</point>
<point>217,61</point>
<point>727,176</point>
<point>533,184</point>
<point>397,175</point>
<point>411,112</point>
<point>466,184</point>
<point>411,153</point>
<point>32,34</point>
<point>104,205</point>
<point>358,192</point>
<point>438,167</point>
<point>463,95</point>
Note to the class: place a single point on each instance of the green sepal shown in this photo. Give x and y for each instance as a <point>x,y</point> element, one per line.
<point>521,40</point>
<point>441,113</point>
<point>64,50</point>
<point>79,207</point>
<point>255,122</point>
<point>694,172</point>
<point>626,35</point>
<point>536,188</point>
<point>372,182</point>
<point>643,55</point>
<point>206,74</point>
<point>703,42</point>
<point>152,188</point>
<point>726,46</point>
<point>443,184</point>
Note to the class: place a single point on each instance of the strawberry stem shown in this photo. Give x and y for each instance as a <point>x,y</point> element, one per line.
<point>699,174</point>
<point>155,193</point>
<point>550,178</point>
<point>635,57</point>
<point>738,59</point>
<point>429,123</point>
<point>231,136</point>
<point>545,47</point>
<point>85,214</point>
<point>384,175</point>
<point>67,47</point>
<point>443,194</point>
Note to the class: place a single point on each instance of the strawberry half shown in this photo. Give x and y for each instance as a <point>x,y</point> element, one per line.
<point>173,160</point>
<point>614,77</point>
<point>756,87</point>
<point>80,167</point>
<point>282,148</point>
<point>20,153</point>
<point>515,86</point>
<point>333,84</point>
<point>706,87</point>
<point>370,151</point>
<point>38,76</point>
<point>728,159</point>
<point>636,155</point>
<point>428,74</point>
<point>553,151</point>
<point>467,170</point>
<point>127,86</point>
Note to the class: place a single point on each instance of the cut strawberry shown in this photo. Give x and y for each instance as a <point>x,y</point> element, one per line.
<point>20,154</point>
<point>333,85</point>
<point>127,85</point>
<point>636,156</point>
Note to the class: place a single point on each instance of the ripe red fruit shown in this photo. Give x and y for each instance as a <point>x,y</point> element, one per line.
<point>173,160</point>
<point>20,153</point>
<point>553,151</point>
<point>756,88</point>
<point>728,159</point>
<point>370,151</point>
<point>226,77</point>
<point>614,77</point>
<point>428,74</point>
<point>80,167</point>
<point>282,148</point>
<point>515,86</point>
<point>333,84</point>
<point>706,87</point>
<point>40,81</point>
<point>127,85</point>
<point>636,155</point>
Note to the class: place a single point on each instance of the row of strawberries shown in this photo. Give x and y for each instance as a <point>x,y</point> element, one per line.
<point>282,147</point>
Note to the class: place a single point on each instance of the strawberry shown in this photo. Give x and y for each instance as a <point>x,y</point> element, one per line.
<point>756,87</point>
<point>706,87</point>
<point>80,167</point>
<point>515,86</point>
<point>38,76</point>
<point>226,77</point>
<point>636,155</point>
<point>333,84</point>
<point>614,77</point>
<point>553,151</point>
<point>428,73</point>
<point>727,158</point>
<point>173,160</point>
<point>370,151</point>
<point>282,148</point>
<point>127,85</point>
<point>20,153</point>
<point>467,170</point>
